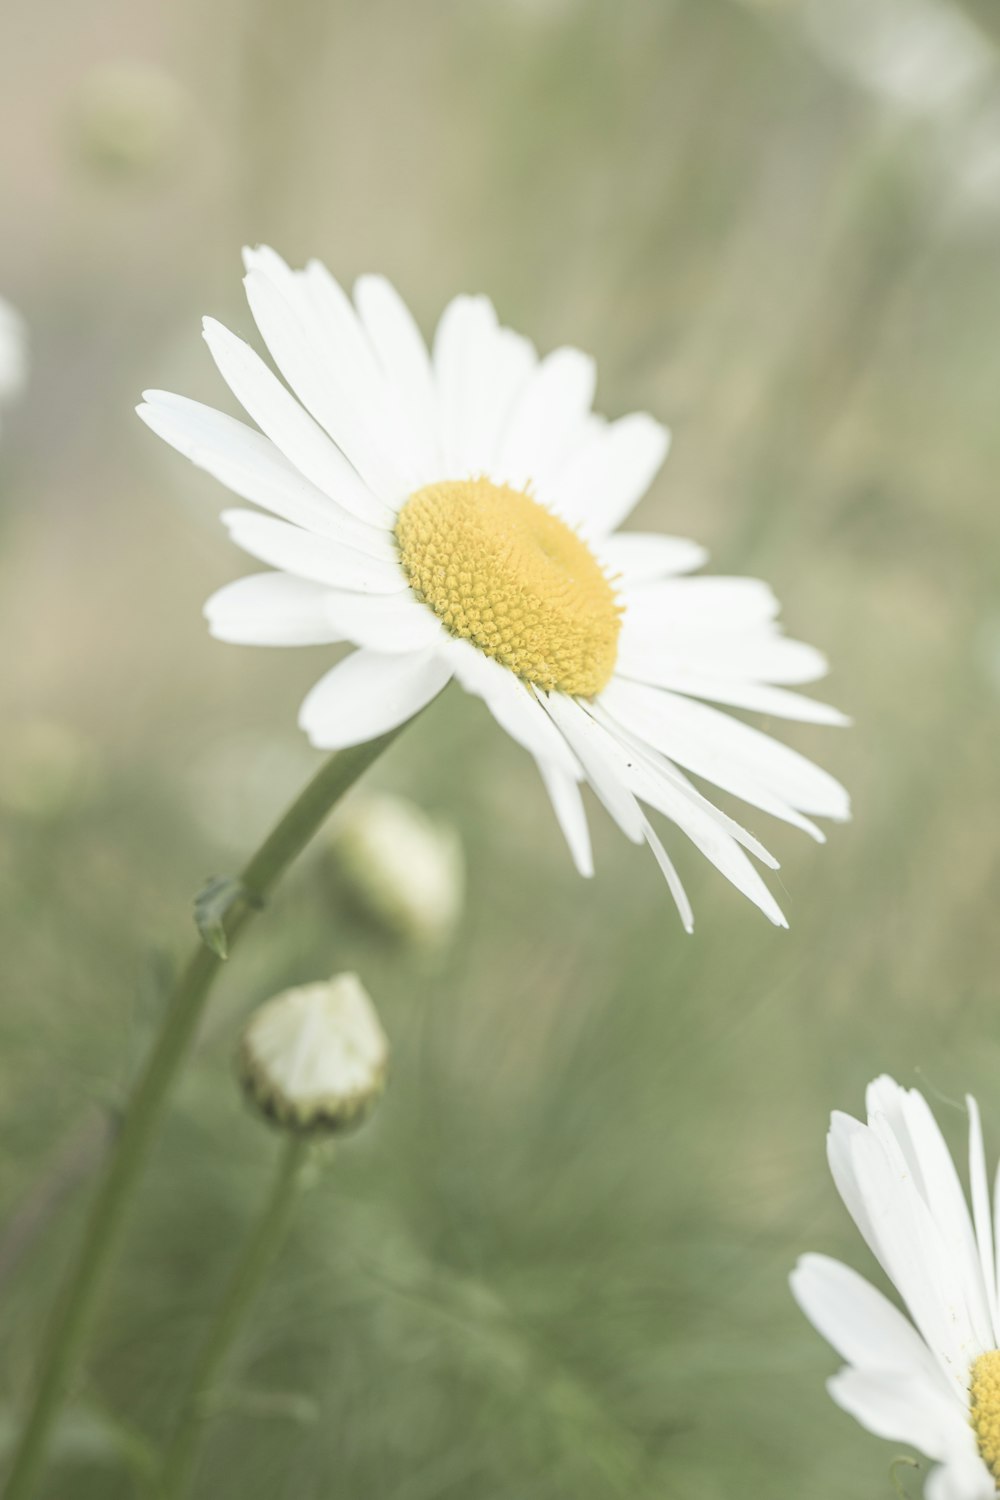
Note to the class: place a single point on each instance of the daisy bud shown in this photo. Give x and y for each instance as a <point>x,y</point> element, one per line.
<point>314,1059</point>
<point>404,869</point>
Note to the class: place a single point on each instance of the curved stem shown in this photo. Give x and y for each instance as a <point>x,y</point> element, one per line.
<point>247,1280</point>
<point>67,1333</point>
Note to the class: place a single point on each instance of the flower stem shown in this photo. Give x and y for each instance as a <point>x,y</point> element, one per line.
<point>74,1311</point>
<point>249,1276</point>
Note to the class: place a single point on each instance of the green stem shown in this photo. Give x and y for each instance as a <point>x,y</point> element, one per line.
<point>67,1333</point>
<point>250,1274</point>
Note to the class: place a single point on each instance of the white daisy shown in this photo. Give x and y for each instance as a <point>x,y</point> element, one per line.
<point>12,352</point>
<point>933,1383</point>
<point>455,514</point>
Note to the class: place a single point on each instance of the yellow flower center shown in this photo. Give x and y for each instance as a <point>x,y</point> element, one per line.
<point>504,573</point>
<point>984,1404</point>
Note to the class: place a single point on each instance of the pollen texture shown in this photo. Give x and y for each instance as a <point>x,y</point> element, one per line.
<point>504,573</point>
<point>984,1402</point>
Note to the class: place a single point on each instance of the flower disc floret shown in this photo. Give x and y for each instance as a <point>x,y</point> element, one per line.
<point>984,1403</point>
<point>501,571</point>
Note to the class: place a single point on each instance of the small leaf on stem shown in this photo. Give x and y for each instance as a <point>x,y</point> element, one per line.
<point>213,903</point>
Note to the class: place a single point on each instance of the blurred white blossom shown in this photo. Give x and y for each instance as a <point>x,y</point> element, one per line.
<point>405,869</point>
<point>923,55</point>
<point>13,352</point>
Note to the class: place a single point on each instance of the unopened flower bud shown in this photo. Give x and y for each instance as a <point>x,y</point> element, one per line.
<point>405,870</point>
<point>314,1059</point>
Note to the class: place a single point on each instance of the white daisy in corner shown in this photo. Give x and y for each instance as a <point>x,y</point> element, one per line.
<point>933,1382</point>
<point>455,514</point>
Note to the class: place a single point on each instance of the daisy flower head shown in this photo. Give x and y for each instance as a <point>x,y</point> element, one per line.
<point>931,1380</point>
<point>455,513</point>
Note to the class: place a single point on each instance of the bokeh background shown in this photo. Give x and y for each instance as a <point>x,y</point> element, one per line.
<point>555,1264</point>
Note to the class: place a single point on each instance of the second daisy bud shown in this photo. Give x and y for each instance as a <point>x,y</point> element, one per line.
<point>314,1059</point>
<point>404,870</point>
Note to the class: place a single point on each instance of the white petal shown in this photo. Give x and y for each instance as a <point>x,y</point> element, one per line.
<point>401,351</point>
<point>916,1134</point>
<point>512,703</point>
<point>757,697</point>
<point>464,347</point>
<point>914,1255</point>
<point>384,623</point>
<point>364,433</point>
<point>839,1152</point>
<point>326,314</point>
<point>271,609</point>
<point>609,473</point>
<point>769,656</point>
<point>689,609</point>
<point>670,875</point>
<point>716,843</point>
<point>904,1411</point>
<point>343,341</point>
<point>290,427</point>
<point>714,638</point>
<point>594,751</point>
<point>310,556</point>
<point>656,780</point>
<point>738,758</point>
<point>658,783</point>
<point>338,326</point>
<point>981,1212</point>
<point>367,694</point>
<point>512,360</point>
<point>762,655</point>
<point>567,805</point>
<point>248,463</point>
<point>861,1324</point>
<point>548,415</point>
<point>963,1476</point>
<point>644,556</point>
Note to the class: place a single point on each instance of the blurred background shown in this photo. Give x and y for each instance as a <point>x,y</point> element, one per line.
<point>555,1263</point>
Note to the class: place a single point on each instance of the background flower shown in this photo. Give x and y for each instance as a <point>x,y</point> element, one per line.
<point>13,360</point>
<point>932,1383</point>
